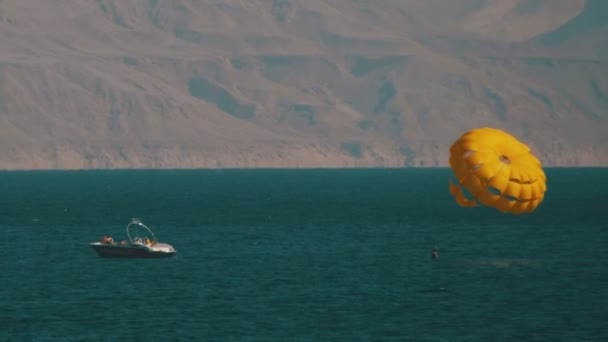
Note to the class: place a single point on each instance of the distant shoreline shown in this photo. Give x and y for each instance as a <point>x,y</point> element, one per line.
<point>278,168</point>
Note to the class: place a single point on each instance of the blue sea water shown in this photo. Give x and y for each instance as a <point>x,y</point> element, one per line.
<point>341,255</point>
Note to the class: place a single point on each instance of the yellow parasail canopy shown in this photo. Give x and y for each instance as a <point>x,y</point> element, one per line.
<point>496,170</point>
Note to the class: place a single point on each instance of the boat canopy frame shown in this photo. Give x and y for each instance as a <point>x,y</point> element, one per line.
<point>137,222</point>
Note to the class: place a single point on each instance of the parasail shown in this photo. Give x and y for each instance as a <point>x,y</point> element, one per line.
<point>493,168</point>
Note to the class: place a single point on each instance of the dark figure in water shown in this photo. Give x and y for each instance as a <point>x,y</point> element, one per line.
<point>435,254</point>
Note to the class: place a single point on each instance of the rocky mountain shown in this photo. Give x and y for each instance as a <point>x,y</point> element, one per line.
<point>285,83</point>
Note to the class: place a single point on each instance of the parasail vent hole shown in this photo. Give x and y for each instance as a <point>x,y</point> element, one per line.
<point>504,159</point>
<point>510,198</point>
<point>494,190</point>
<point>467,194</point>
<point>520,181</point>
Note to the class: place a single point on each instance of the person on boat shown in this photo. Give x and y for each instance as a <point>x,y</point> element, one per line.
<point>435,254</point>
<point>107,240</point>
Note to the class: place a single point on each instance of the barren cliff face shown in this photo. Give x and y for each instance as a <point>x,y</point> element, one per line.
<point>285,83</point>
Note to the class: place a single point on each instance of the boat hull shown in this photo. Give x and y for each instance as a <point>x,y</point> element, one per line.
<point>128,251</point>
